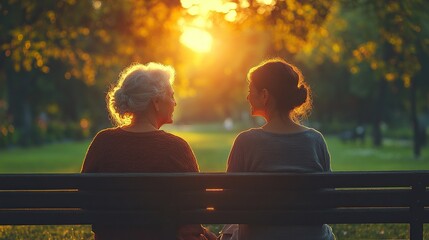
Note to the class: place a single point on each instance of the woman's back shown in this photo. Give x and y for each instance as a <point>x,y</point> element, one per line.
<point>257,150</point>
<point>279,94</point>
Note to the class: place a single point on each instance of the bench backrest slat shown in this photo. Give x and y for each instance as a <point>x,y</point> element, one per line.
<point>185,181</point>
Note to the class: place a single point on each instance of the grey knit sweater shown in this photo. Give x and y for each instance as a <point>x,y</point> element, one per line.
<point>256,150</point>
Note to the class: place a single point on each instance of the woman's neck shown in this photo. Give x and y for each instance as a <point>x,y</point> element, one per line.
<point>282,124</point>
<point>142,124</point>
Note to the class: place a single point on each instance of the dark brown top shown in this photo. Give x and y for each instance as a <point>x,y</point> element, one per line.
<point>115,150</point>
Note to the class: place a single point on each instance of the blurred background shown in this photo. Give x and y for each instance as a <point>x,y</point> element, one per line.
<point>367,62</point>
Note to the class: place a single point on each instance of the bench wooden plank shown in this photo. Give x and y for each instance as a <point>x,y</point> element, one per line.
<point>186,181</point>
<point>222,200</point>
<point>77,216</point>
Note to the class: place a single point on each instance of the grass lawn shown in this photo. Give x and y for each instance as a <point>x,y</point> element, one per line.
<point>211,146</point>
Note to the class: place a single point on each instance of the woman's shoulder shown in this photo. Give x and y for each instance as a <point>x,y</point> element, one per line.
<point>315,136</point>
<point>259,133</point>
<point>249,132</point>
<point>248,135</point>
<point>116,133</point>
<point>173,138</point>
<point>314,132</point>
<point>159,134</point>
<point>107,132</point>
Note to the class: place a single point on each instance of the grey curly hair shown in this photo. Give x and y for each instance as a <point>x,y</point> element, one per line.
<point>138,84</point>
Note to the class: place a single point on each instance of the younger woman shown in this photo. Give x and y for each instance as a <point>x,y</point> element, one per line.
<point>278,93</point>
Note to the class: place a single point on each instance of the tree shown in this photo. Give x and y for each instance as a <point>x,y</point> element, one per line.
<point>401,42</point>
<point>56,45</point>
<point>51,46</point>
<point>383,44</point>
<point>244,33</point>
<point>36,34</point>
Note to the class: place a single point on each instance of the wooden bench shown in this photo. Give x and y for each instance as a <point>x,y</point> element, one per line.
<point>216,198</point>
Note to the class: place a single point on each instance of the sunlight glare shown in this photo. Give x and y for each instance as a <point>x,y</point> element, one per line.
<point>203,8</point>
<point>196,39</point>
<point>244,4</point>
<point>267,2</point>
<point>231,16</point>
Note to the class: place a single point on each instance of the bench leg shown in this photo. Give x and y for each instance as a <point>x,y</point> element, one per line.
<point>417,210</point>
<point>416,230</point>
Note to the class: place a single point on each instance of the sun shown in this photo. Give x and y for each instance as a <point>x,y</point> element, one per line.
<point>196,39</point>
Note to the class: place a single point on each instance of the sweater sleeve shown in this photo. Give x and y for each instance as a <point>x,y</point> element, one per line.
<point>327,159</point>
<point>192,160</point>
<point>186,157</point>
<point>325,155</point>
<point>236,157</point>
<point>93,153</point>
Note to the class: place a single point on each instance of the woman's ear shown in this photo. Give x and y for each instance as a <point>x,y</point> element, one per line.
<point>155,102</point>
<point>265,96</point>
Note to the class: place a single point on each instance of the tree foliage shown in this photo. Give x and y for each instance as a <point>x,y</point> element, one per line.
<point>383,44</point>
<point>58,58</point>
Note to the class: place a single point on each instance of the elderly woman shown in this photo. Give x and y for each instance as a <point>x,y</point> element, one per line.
<point>140,103</point>
<point>278,93</point>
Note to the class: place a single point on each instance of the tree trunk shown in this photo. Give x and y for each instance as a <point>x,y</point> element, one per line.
<point>415,121</point>
<point>18,85</point>
<point>377,136</point>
